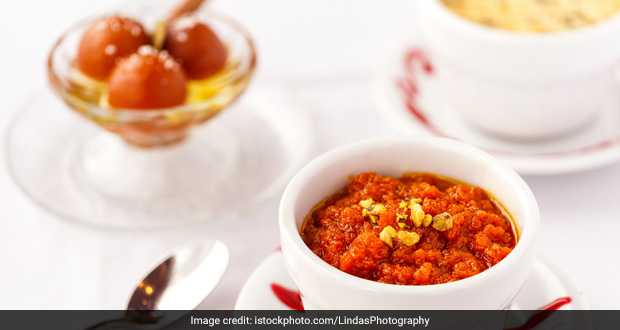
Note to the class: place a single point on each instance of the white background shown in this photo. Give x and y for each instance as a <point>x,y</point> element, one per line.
<point>325,51</point>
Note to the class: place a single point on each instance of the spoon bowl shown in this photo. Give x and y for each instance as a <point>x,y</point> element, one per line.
<point>178,283</point>
<point>183,279</point>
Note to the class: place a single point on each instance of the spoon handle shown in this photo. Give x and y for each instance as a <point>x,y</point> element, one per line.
<point>183,8</point>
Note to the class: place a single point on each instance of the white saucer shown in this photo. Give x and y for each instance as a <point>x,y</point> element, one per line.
<point>545,285</point>
<point>408,92</point>
<point>84,175</point>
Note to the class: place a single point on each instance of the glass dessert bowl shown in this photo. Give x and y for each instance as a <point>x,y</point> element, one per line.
<point>155,127</point>
<point>151,167</point>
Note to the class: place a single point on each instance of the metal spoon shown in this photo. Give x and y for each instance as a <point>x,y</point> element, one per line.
<point>179,283</point>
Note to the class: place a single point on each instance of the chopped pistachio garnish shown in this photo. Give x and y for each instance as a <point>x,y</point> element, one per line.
<point>377,209</point>
<point>417,214</point>
<point>408,238</point>
<point>387,234</point>
<point>401,219</point>
<point>443,221</point>
<point>373,218</point>
<point>428,219</point>
<point>371,210</point>
<point>371,207</point>
<point>366,203</point>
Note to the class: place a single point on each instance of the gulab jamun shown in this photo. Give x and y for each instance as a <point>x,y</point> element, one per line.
<point>196,46</point>
<point>105,42</point>
<point>148,79</point>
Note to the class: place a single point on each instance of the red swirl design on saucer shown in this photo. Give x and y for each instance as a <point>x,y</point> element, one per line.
<point>290,298</point>
<point>557,304</point>
<point>415,62</point>
<point>408,85</point>
<point>545,312</point>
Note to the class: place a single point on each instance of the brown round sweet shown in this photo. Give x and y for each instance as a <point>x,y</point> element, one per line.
<point>197,47</point>
<point>148,79</point>
<point>105,42</point>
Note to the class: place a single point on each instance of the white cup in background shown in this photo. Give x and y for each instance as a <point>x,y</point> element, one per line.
<point>522,85</point>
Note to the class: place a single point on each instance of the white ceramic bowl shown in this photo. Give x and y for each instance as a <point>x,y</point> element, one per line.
<point>522,85</point>
<point>326,287</point>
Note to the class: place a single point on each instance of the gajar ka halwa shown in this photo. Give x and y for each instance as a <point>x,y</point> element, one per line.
<point>417,230</point>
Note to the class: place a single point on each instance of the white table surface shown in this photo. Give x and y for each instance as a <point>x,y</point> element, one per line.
<point>324,52</point>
